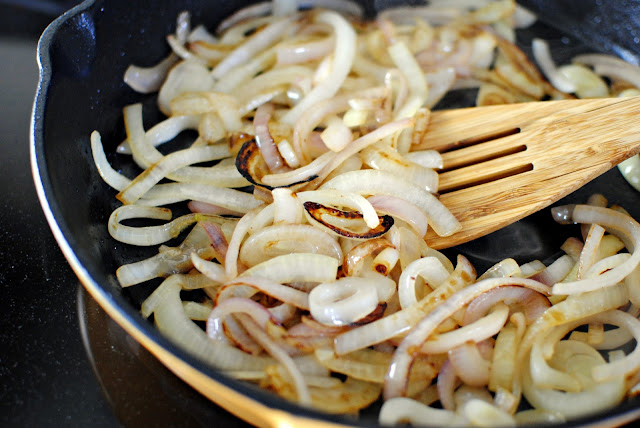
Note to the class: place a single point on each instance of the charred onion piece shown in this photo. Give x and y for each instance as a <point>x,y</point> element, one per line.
<point>253,167</point>
<point>317,210</point>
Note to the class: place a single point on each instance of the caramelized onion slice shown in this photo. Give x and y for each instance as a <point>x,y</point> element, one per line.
<point>319,212</point>
<point>253,167</point>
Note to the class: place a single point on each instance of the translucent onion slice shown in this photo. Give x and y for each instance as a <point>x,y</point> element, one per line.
<point>247,286</point>
<point>611,219</point>
<point>477,331</point>
<point>149,79</point>
<point>373,182</point>
<point>253,167</point>
<point>278,353</point>
<point>254,44</point>
<point>345,200</point>
<point>164,131</point>
<point>403,320</point>
<point>429,268</point>
<point>387,159</point>
<point>297,268</point>
<point>344,301</point>
<point>587,83</point>
<point>168,261</point>
<point>343,55</point>
<point>296,53</point>
<point>481,413</point>
<point>630,170</point>
<point>186,76</point>
<point>147,235</point>
<point>283,239</point>
<point>406,62</point>
<point>400,410</point>
<point>531,303</point>
<point>542,55</point>
<point>312,117</point>
<point>469,365</point>
<point>350,396</point>
<point>172,322</point>
<point>571,405</point>
<point>395,384</point>
<point>288,208</point>
<point>108,174</point>
<point>447,383</point>
<point>170,163</point>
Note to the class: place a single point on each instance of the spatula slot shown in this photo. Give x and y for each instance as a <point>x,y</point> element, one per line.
<point>447,186</point>
<point>479,139</point>
<point>477,154</point>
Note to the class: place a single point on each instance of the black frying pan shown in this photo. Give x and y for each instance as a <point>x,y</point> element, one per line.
<point>83,56</point>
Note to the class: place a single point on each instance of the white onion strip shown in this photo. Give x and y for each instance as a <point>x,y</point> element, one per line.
<point>343,55</point>
<point>395,384</point>
<point>252,46</point>
<point>394,324</point>
<point>171,321</point>
<point>611,219</point>
<point>543,57</point>
<point>373,182</point>
<point>343,301</point>
<point>429,268</point>
<point>164,131</point>
<point>477,331</point>
<point>168,164</point>
<point>108,174</point>
<point>277,352</point>
<point>149,79</point>
<point>285,239</point>
<point>146,235</point>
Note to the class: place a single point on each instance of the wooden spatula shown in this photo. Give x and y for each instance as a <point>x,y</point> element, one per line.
<point>502,163</point>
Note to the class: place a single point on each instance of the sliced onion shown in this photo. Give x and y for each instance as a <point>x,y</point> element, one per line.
<point>186,76</point>
<point>303,52</point>
<point>447,383</point>
<point>282,239</point>
<point>168,261</point>
<point>403,320</point>
<point>343,199</point>
<point>149,79</point>
<point>108,174</point>
<point>146,235</point>
<point>297,268</point>
<point>264,139</point>
<point>257,42</point>
<point>599,397</point>
<point>405,410</point>
<point>530,302</point>
<point>395,383</point>
<point>611,219</point>
<point>164,131</point>
<point>344,53</point>
<point>355,257</point>
<point>476,331</point>
<point>429,268</point>
<point>344,301</point>
<point>373,182</point>
<point>166,166</point>
<point>171,321</point>
<point>337,222</point>
<point>543,58</point>
<point>387,159</point>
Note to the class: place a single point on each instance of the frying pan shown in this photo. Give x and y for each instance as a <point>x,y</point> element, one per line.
<point>83,56</point>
